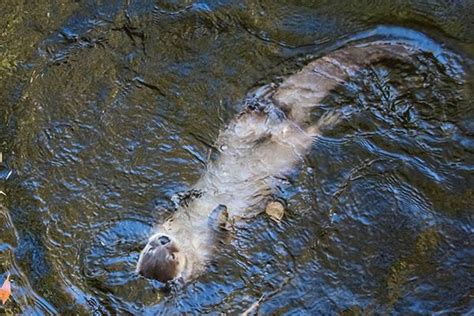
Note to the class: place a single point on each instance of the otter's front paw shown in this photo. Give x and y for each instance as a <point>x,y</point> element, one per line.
<point>182,199</point>
<point>219,218</point>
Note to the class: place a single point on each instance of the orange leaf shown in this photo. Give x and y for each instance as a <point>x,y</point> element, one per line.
<point>5,290</point>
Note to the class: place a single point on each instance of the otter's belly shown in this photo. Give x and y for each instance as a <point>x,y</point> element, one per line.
<point>259,146</point>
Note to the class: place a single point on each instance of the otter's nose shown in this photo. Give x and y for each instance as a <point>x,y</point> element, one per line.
<point>164,240</point>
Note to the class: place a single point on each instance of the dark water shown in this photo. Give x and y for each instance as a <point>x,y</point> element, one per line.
<point>109,108</point>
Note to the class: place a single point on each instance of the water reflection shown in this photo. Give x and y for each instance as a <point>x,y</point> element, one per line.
<point>112,108</point>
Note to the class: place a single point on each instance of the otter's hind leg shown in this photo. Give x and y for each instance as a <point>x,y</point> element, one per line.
<point>325,122</point>
<point>304,90</point>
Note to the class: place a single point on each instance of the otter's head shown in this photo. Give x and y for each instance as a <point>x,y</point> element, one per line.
<point>161,259</point>
<point>181,247</point>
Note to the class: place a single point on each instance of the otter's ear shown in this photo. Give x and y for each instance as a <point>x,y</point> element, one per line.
<point>219,217</point>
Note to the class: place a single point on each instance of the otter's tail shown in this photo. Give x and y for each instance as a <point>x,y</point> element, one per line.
<point>307,88</point>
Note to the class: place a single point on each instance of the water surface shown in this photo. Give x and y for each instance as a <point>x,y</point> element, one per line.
<point>108,108</point>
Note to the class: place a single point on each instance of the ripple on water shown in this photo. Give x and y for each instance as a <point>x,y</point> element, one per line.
<point>120,109</point>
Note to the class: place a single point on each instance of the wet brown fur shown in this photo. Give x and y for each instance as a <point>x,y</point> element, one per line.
<point>263,143</point>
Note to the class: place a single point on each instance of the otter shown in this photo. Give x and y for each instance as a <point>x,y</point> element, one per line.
<point>262,144</point>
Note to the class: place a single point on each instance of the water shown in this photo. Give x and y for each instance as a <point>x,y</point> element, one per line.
<point>110,108</point>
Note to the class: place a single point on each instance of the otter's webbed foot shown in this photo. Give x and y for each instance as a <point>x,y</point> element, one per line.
<point>263,92</point>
